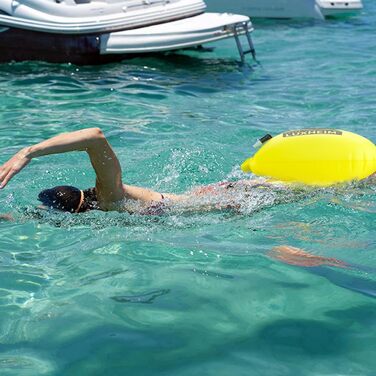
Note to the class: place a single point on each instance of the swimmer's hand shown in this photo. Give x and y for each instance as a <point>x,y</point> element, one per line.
<point>11,168</point>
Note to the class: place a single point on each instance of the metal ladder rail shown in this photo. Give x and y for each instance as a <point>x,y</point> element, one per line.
<point>251,50</point>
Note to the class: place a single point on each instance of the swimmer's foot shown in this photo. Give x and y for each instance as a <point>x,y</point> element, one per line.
<point>296,256</point>
<point>6,218</point>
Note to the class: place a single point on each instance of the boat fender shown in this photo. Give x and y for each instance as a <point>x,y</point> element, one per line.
<point>313,156</point>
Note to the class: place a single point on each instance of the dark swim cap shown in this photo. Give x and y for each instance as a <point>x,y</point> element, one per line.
<point>70,199</point>
<point>65,198</point>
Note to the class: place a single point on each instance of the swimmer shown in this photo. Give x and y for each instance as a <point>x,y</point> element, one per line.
<point>109,193</point>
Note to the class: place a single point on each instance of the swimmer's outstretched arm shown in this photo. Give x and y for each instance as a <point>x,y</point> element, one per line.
<point>103,159</point>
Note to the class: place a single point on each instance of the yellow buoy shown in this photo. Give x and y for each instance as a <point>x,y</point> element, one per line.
<point>314,156</point>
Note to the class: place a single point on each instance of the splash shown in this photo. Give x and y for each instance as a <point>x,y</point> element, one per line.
<point>209,205</point>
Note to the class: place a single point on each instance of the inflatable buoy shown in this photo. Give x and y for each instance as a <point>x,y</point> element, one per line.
<point>314,156</point>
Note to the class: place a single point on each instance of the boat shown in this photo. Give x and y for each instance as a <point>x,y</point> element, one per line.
<point>338,8</point>
<point>98,31</point>
<point>318,9</point>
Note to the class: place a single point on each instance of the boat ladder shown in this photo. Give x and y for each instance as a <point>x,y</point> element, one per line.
<point>239,29</point>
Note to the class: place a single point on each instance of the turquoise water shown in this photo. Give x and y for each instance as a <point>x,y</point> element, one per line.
<point>191,294</point>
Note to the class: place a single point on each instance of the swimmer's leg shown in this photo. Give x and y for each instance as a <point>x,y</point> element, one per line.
<point>296,256</point>
<point>6,218</point>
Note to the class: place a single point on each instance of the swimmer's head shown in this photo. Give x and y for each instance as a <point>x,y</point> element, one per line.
<point>69,199</point>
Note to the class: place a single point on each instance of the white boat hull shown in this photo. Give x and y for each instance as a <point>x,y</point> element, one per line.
<point>330,8</point>
<point>190,32</point>
<point>19,44</point>
<point>97,31</point>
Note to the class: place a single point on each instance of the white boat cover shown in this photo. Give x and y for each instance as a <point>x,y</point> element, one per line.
<point>93,16</point>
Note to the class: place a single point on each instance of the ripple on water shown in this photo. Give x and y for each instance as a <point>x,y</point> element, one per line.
<point>24,365</point>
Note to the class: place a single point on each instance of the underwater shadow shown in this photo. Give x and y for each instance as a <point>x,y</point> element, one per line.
<point>288,338</point>
<point>364,315</point>
<point>356,284</point>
